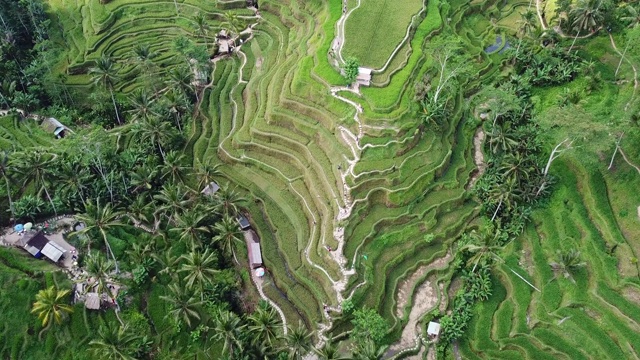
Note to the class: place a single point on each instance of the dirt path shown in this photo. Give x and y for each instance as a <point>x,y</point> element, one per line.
<point>478,157</point>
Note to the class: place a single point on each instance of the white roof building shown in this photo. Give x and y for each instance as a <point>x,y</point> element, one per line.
<point>433,329</point>
<point>364,76</point>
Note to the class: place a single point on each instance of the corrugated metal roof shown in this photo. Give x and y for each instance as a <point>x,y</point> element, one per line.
<point>52,252</point>
<point>255,254</point>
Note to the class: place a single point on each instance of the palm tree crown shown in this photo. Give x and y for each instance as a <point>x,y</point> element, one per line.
<point>50,306</point>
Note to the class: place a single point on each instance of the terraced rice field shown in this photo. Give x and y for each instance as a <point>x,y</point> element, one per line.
<point>327,167</point>
<point>374,29</point>
<point>599,315</point>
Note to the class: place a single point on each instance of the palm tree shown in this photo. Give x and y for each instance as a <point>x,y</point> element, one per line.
<point>265,325</point>
<point>72,180</point>
<point>97,218</point>
<point>141,104</point>
<point>527,23</point>
<point>201,27</point>
<point>206,173</point>
<point>105,74</point>
<point>229,200</point>
<point>181,77</point>
<point>51,306</point>
<point>587,15</point>
<point>502,137</point>
<point>632,17</point>
<point>189,228</point>
<point>200,269</point>
<point>144,57</point>
<point>177,105</point>
<point>517,166</point>
<point>4,171</point>
<point>232,24</point>
<point>370,351</point>
<point>143,178</point>
<point>567,264</point>
<point>167,262</point>
<point>487,243</point>
<point>184,305</point>
<point>99,268</point>
<point>173,201</point>
<point>298,342</point>
<point>153,130</point>
<point>506,193</point>
<point>35,165</point>
<point>329,351</point>
<point>228,233</point>
<point>228,329</point>
<point>174,167</point>
<point>113,343</point>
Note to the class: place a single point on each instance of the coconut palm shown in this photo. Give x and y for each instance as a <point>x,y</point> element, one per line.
<point>229,201</point>
<point>142,106</point>
<point>482,245</point>
<point>35,166</point>
<point>232,23</point>
<point>105,73</point>
<point>4,171</point>
<point>329,351</point>
<point>201,27</point>
<point>205,173</point>
<point>527,23</point>
<point>516,166</point>
<point>368,350</point>
<point>181,78</point>
<point>98,268</point>
<point>153,130</point>
<point>189,227</point>
<point>228,329</point>
<point>199,269</point>
<point>177,104</point>
<point>172,200</point>
<point>298,342</point>
<point>227,235</point>
<point>174,167</point>
<point>265,326</point>
<point>633,15</point>
<point>100,219</point>
<point>72,180</point>
<point>567,263</point>
<point>51,306</point>
<point>168,263</point>
<point>506,194</point>
<point>587,15</point>
<point>502,138</point>
<point>185,307</point>
<point>144,57</point>
<point>144,178</point>
<point>113,343</point>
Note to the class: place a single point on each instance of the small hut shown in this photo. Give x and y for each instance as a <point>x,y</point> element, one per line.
<point>210,189</point>
<point>243,222</point>
<point>433,329</point>
<point>364,76</point>
<point>54,126</point>
<point>255,255</point>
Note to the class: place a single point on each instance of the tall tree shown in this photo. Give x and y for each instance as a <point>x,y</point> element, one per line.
<point>199,269</point>
<point>100,219</point>
<point>114,343</point>
<point>51,306</point>
<point>202,27</point>
<point>586,15</point>
<point>567,263</point>
<point>228,329</point>
<point>265,325</point>
<point>189,227</point>
<point>229,200</point>
<point>142,106</point>
<point>227,235</point>
<point>298,342</point>
<point>35,166</point>
<point>185,307</point>
<point>105,73</point>
<point>155,131</point>
<point>4,171</point>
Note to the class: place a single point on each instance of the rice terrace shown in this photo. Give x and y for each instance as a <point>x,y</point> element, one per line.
<point>319,179</point>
